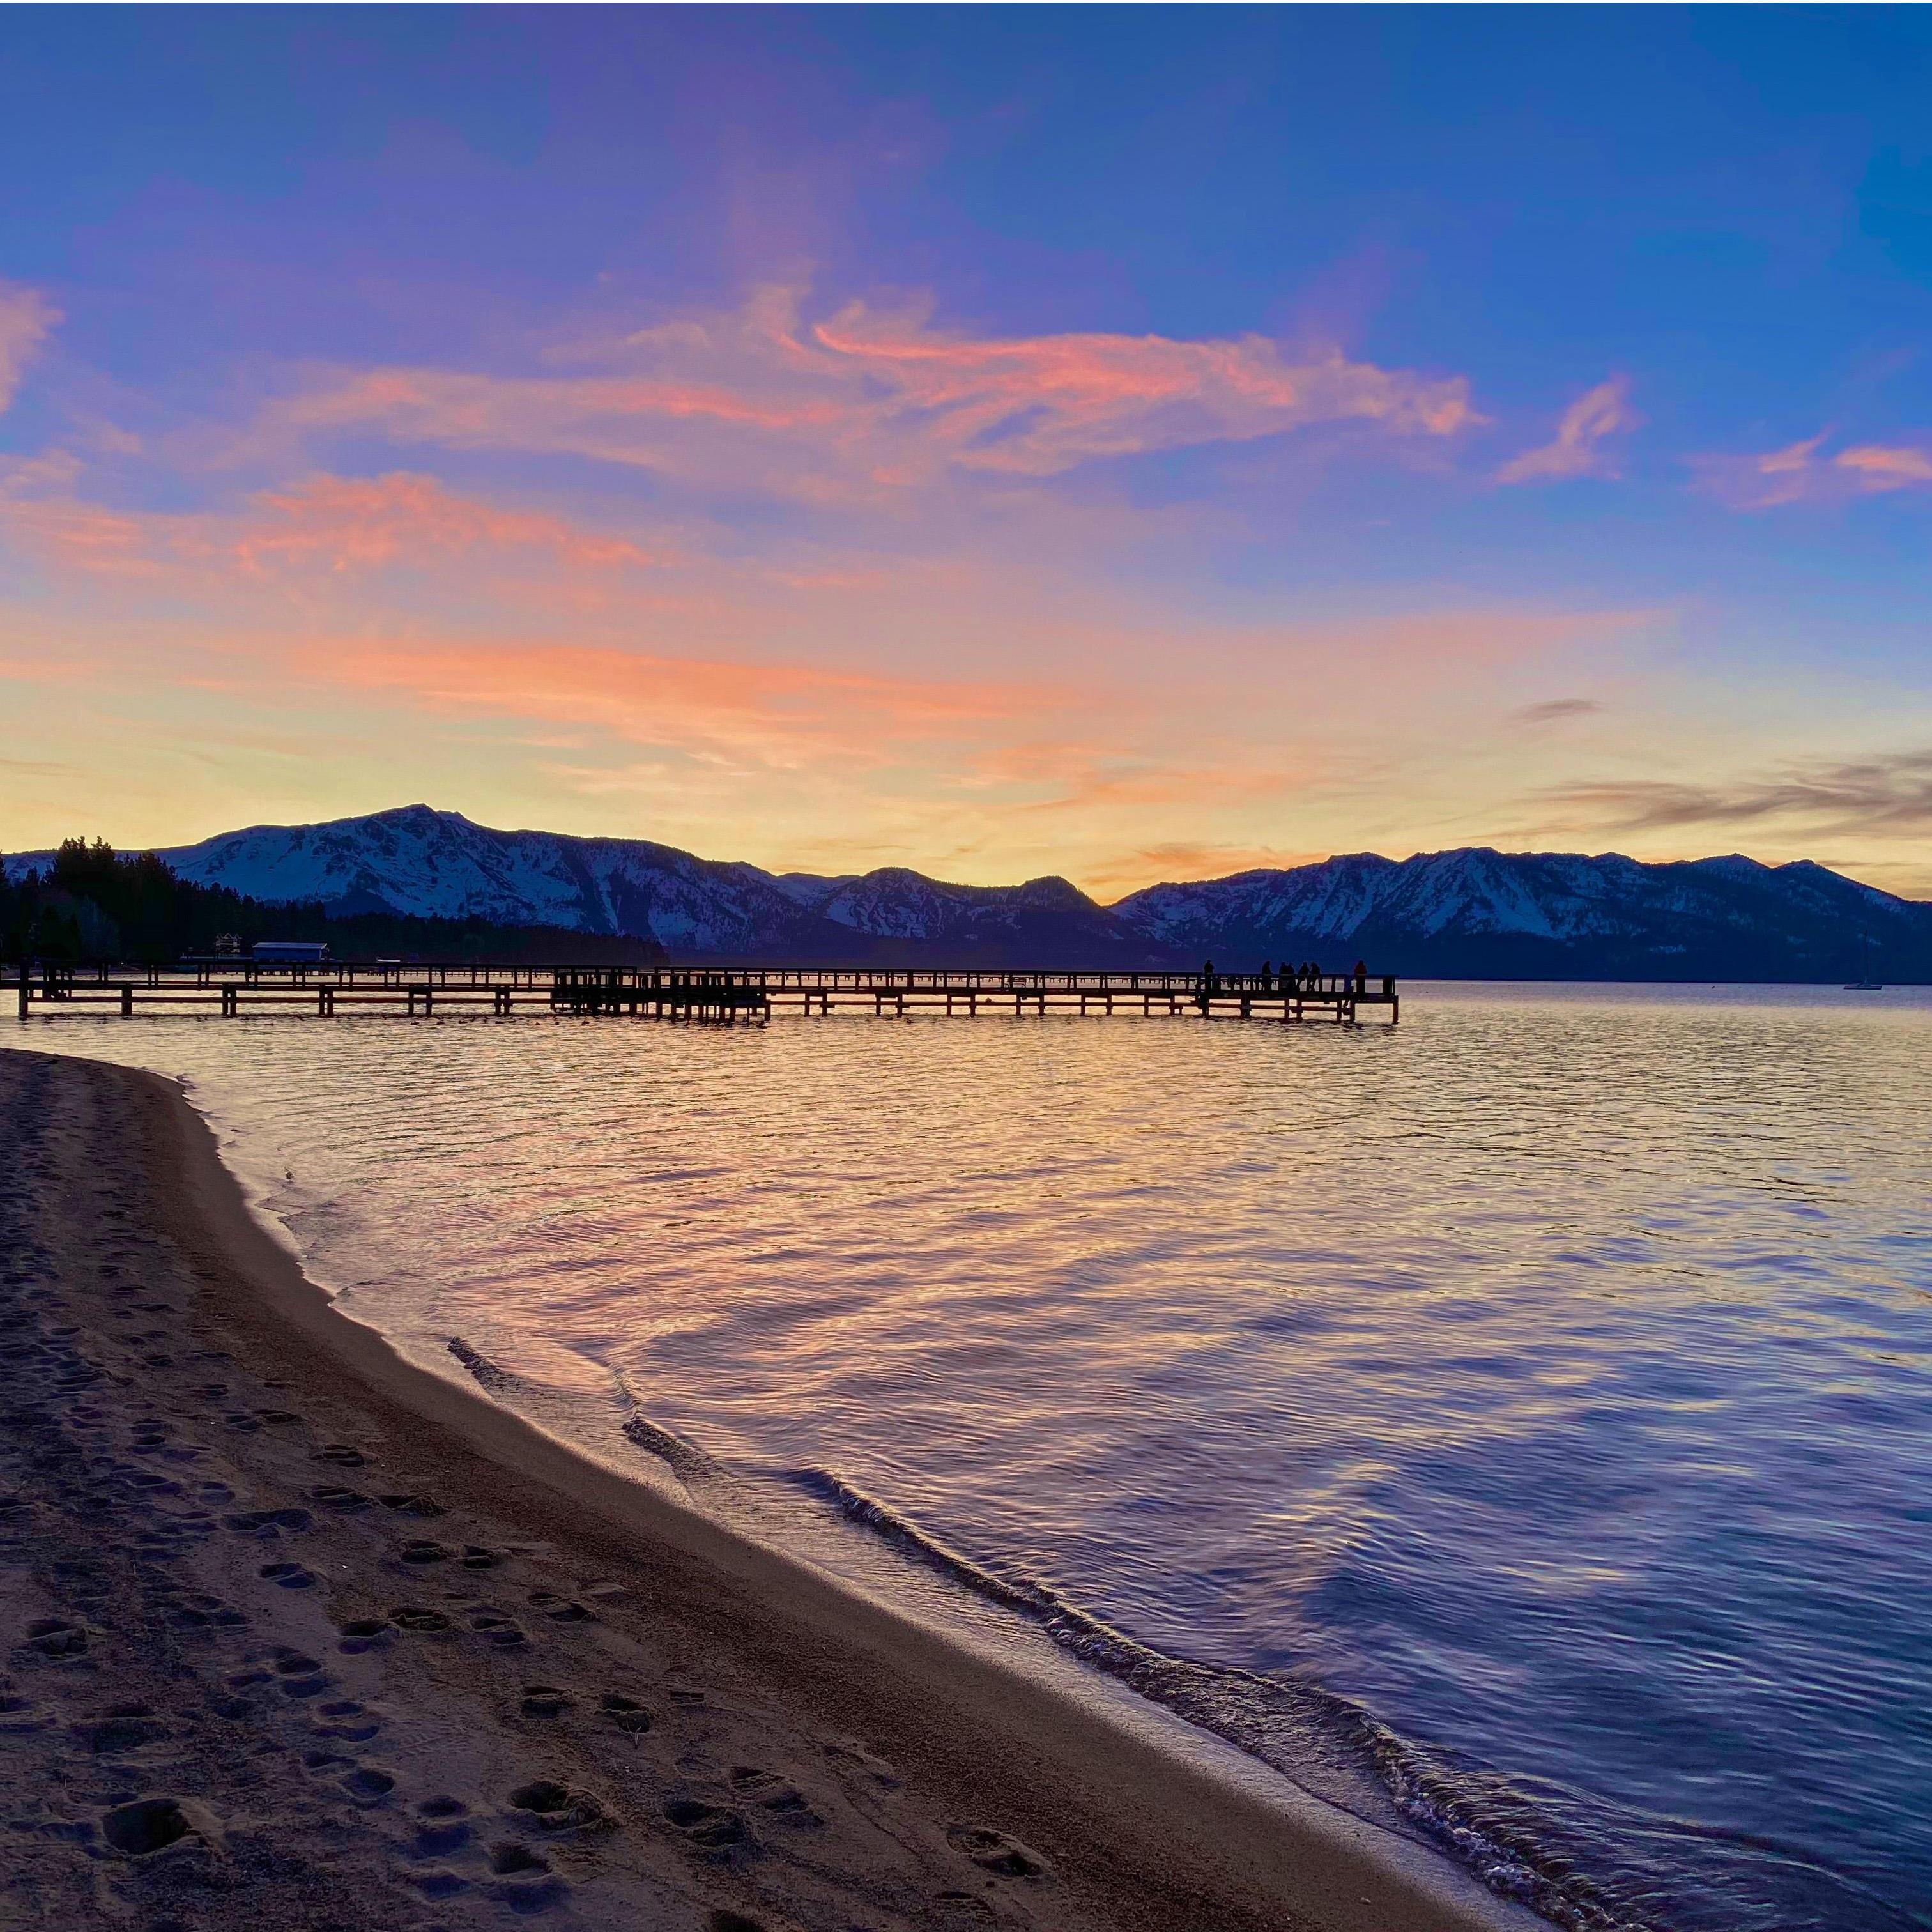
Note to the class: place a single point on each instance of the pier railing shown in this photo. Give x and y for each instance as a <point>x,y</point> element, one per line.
<point>327,988</point>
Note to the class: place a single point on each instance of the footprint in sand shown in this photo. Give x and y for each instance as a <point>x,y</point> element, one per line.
<point>777,1794</point>
<point>332,1496</point>
<point>442,1827</point>
<point>863,1766</point>
<point>19,1716</point>
<point>560,1807</point>
<point>993,1851</point>
<point>361,1634</point>
<point>495,1628</point>
<point>963,1913</point>
<point>269,1524</point>
<point>147,1825</point>
<point>527,1884</point>
<point>712,1828</point>
<point>424,1623</point>
<point>121,1728</point>
<point>546,1700</point>
<point>340,1453</point>
<point>288,1576</point>
<point>299,1674</point>
<point>424,1551</point>
<point>558,1609</point>
<point>409,1502</point>
<point>55,1637</point>
<point>510,1857</point>
<point>626,1713</point>
<point>366,1785</point>
<point>343,1718</point>
<point>480,1556</point>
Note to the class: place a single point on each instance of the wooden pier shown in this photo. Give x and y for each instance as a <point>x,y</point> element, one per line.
<point>334,988</point>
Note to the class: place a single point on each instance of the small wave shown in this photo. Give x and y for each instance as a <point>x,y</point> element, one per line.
<point>1323,1742</point>
<point>688,1462</point>
<point>497,1380</point>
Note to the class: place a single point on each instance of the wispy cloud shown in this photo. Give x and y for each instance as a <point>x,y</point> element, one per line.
<point>1579,448</point>
<point>763,717</point>
<point>340,526</point>
<point>27,318</point>
<point>1891,794</point>
<point>1041,404</point>
<point>1553,710</point>
<point>1801,472</point>
<point>1181,859</point>
<point>869,403</point>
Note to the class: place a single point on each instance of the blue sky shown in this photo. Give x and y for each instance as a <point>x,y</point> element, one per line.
<point>1127,442</point>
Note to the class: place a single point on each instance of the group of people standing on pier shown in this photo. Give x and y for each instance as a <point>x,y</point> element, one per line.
<point>1305,978</point>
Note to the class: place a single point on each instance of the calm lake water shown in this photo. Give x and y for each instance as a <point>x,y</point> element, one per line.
<point>1530,1406</point>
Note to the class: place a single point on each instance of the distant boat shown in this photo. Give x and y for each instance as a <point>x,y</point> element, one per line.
<point>1865,985</point>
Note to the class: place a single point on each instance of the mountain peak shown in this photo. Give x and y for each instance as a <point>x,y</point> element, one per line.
<point>1471,910</point>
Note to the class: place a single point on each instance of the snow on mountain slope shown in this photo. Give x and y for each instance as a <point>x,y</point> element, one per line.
<point>415,860</point>
<point>1473,894</point>
<point>1472,909</point>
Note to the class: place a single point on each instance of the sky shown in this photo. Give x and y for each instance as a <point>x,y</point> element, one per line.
<point>1132,444</point>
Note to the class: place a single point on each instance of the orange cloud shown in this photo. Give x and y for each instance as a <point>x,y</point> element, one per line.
<point>1799,474</point>
<point>763,714</point>
<point>1041,404</point>
<point>340,526</point>
<point>1877,467</point>
<point>27,318</point>
<point>1182,860</point>
<point>869,404</point>
<point>1577,451</point>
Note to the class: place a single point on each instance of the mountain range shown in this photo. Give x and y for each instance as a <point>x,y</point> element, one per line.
<point>1469,913</point>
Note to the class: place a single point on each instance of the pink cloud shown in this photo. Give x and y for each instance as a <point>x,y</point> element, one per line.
<point>338,526</point>
<point>766,716</point>
<point>1184,859</point>
<point>346,523</point>
<point>1798,473</point>
<point>868,404</point>
<point>27,318</point>
<point>1040,404</point>
<point>1877,467</point>
<point>1578,450</point>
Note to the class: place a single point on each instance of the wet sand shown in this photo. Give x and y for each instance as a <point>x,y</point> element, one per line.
<point>296,1634</point>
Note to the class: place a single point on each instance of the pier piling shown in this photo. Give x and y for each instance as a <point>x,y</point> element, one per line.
<point>729,994</point>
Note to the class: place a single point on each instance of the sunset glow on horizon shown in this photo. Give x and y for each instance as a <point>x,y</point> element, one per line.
<point>1129,445</point>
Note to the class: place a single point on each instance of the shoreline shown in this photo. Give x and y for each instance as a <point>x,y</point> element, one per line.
<point>1015,1801</point>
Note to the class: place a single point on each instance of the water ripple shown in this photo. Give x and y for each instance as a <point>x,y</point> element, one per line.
<point>1533,1401</point>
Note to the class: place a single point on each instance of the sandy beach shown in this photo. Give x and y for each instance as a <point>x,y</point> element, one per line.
<point>298,1634</point>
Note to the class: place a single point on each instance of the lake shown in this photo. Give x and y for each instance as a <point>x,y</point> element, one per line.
<point>1518,1421</point>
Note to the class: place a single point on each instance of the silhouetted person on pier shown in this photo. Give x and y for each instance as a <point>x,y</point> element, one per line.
<point>1267,975</point>
<point>1361,978</point>
<point>1207,975</point>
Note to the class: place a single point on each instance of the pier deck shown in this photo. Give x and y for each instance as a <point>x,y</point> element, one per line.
<point>231,988</point>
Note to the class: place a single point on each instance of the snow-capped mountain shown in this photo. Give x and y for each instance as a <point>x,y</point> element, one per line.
<point>1471,911</point>
<point>1480,911</point>
<point>440,864</point>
